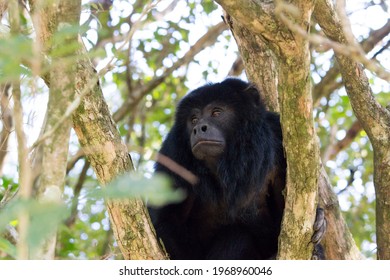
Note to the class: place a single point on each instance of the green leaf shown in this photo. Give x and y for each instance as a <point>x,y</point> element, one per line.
<point>13,51</point>
<point>44,218</point>
<point>156,191</point>
<point>209,6</point>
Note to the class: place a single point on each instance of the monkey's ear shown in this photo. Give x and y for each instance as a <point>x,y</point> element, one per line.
<point>254,94</point>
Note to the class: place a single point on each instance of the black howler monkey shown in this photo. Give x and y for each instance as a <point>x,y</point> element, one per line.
<point>225,136</point>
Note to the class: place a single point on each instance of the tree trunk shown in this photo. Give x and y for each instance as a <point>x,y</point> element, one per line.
<point>338,242</point>
<point>109,158</point>
<point>256,55</point>
<point>56,144</point>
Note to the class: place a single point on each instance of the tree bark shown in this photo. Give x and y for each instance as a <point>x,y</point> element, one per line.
<point>298,127</point>
<point>109,158</point>
<point>257,55</point>
<point>7,120</point>
<point>338,242</point>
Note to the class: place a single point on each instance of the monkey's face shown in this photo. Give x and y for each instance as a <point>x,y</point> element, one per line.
<point>209,128</point>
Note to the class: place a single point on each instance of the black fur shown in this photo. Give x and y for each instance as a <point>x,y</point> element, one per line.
<point>236,213</point>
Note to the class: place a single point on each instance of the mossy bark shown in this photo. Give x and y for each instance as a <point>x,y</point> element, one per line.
<point>109,158</point>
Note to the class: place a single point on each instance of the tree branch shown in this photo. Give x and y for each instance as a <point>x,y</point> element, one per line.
<point>338,242</point>
<point>333,150</point>
<point>370,113</point>
<point>7,120</point>
<point>256,55</point>
<point>339,45</point>
<point>76,193</point>
<point>3,7</point>
<point>328,83</point>
<point>258,18</point>
<point>25,186</point>
<point>237,67</point>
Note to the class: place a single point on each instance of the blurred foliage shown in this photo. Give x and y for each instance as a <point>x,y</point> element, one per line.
<point>14,50</point>
<point>159,40</point>
<point>43,218</point>
<point>157,191</point>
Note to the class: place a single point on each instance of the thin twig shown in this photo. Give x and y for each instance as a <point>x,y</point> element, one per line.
<point>151,5</point>
<point>177,168</point>
<point>206,40</point>
<point>282,10</point>
<point>25,186</point>
<point>7,120</point>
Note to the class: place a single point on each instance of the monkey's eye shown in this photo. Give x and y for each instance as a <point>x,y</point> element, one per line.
<point>194,119</point>
<point>216,112</point>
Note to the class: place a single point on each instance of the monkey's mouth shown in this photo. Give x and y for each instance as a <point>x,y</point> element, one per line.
<point>207,143</point>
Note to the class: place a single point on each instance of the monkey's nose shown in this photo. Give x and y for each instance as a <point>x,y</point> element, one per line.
<point>202,128</point>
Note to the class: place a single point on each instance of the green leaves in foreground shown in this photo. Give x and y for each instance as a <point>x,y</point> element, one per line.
<point>44,217</point>
<point>157,191</point>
